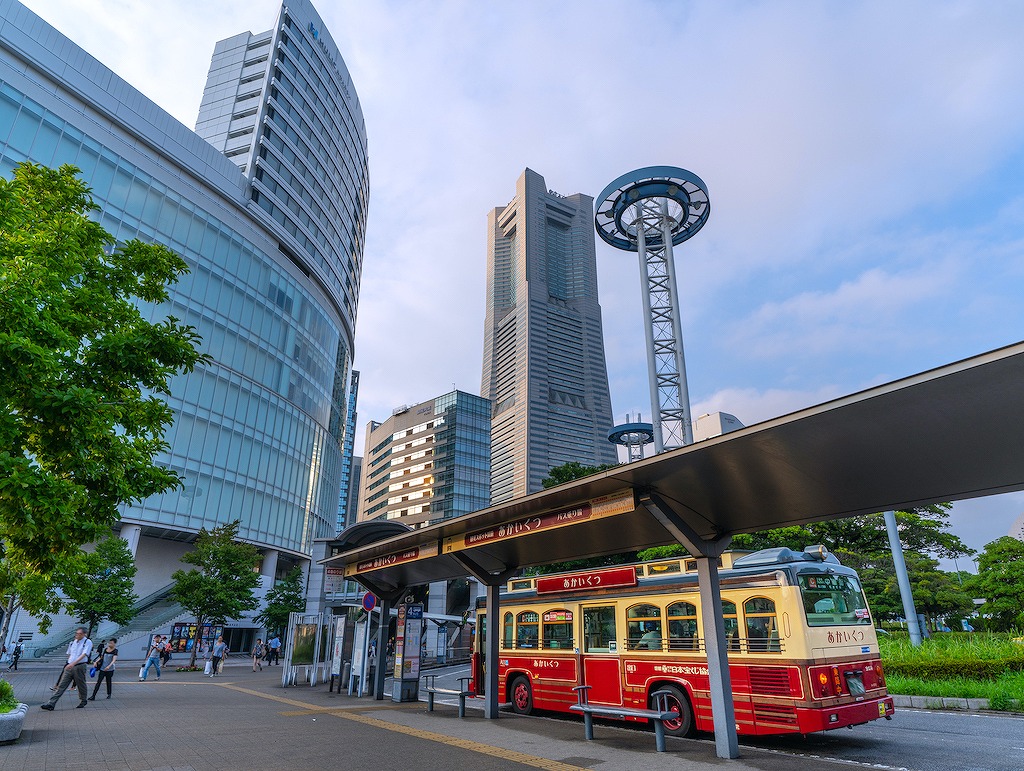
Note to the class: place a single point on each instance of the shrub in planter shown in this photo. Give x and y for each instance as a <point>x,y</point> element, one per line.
<point>12,714</point>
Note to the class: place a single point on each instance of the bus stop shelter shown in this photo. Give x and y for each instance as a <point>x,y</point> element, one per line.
<point>947,434</point>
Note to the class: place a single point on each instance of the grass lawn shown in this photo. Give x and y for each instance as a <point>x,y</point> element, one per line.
<point>977,665</point>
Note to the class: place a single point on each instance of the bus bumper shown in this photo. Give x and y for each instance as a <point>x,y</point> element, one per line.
<point>843,715</point>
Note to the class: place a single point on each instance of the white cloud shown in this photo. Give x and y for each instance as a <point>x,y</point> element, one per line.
<point>863,161</point>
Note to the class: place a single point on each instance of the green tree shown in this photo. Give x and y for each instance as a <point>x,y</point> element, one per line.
<point>560,475</point>
<point>567,472</point>
<point>221,585</point>
<point>84,370</point>
<point>863,544</point>
<point>1000,581</point>
<point>35,593</point>
<point>286,597</point>
<point>938,595</point>
<point>859,541</point>
<point>103,585</point>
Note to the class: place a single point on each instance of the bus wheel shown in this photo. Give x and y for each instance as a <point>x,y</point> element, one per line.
<point>522,695</point>
<point>677,702</point>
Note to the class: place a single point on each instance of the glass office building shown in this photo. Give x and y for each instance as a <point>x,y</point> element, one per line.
<point>428,462</point>
<point>267,203</point>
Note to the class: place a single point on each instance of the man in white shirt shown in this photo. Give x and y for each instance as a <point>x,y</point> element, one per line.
<point>79,653</point>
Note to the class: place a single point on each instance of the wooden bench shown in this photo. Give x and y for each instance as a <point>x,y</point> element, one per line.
<point>430,686</point>
<point>656,715</point>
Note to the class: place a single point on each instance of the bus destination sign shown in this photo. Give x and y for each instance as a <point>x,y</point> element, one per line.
<point>583,582</point>
<point>606,506</point>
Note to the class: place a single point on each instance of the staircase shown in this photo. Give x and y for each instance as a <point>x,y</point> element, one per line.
<point>153,613</point>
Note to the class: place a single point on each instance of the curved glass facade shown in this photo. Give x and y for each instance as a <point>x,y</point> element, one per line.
<point>257,434</point>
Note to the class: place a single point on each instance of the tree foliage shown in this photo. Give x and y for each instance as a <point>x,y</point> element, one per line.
<point>1000,581</point>
<point>567,472</point>
<point>103,585</point>
<point>25,589</point>
<point>288,596</point>
<point>858,541</point>
<point>863,544</point>
<point>558,475</point>
<point>221,585</point>
<point>84,369</point>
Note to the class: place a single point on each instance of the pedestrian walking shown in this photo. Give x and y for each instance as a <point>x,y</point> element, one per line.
<point>61,673</point>
<point>153,658</point>
<point>15,655</point>
<point>79,652</point>
<point>274,643</point>
<point>257,654</point>
<point>165,653</point>
<point>105,667</point>
<point>220,649</point>
<point>207,650</point>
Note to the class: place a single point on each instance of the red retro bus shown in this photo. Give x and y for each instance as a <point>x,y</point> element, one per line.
<point>803,655</point>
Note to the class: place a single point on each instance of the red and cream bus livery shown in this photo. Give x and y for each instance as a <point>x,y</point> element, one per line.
<point>803,655</point>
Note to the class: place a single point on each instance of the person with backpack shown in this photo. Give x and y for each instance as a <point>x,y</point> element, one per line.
<point>257,653</point>
<point>15,655</point>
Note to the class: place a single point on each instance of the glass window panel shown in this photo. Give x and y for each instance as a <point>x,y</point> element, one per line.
<point>101,178</point>
<point>119,188</point>
<point>135,204</point>
<point>24,130</point>
<point>45,143</point>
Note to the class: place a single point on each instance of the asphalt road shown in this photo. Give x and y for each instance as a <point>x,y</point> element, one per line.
<point>915,740</point>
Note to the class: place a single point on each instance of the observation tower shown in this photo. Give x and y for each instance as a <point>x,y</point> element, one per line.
<point>649,211</point>
<point>633,435</point>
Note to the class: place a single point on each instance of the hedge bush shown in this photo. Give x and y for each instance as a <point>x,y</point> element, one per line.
<point>7,698</point>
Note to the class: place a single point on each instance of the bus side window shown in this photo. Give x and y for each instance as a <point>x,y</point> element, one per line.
<point>643,627</point>
<point>557,629</point>
<point>599,629</point>
<point>732,625</point>
<point>526,629</point>
<point>507,632</point>
<point>682,626</point>
<point>762,629</point>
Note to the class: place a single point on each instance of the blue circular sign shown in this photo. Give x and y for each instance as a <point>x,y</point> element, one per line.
<point>369,601</point>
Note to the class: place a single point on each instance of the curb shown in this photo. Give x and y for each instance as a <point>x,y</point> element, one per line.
<point>940,702</point>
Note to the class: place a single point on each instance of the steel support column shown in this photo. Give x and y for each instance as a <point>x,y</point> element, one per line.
<point>493,582</point>
<point>707,553</point>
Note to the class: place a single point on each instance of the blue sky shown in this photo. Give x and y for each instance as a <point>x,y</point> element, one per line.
<point>865,163</point>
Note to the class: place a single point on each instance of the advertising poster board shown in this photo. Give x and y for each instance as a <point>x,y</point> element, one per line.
<point>358,649</point>
<point>413,632</point>
<point>339,644</point>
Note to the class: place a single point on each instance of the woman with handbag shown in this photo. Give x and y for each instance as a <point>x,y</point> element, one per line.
<point>105,667</point>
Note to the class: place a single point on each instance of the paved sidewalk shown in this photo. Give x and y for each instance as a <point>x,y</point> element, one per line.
<point>245,719</point>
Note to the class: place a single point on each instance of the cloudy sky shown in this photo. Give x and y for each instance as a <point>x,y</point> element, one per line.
<point>865,163</point>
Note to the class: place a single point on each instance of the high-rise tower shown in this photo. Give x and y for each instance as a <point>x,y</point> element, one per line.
<point>544,367</point>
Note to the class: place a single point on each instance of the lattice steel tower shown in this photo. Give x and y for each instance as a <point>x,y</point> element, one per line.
<point>649,211</point>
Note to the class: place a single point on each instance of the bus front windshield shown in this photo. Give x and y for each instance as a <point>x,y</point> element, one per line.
<point>833,600</point>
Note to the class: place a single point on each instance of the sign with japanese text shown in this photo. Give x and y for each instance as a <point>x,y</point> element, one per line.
<point>389,560</point>
<point>605,506</point>
<point>582,582</point>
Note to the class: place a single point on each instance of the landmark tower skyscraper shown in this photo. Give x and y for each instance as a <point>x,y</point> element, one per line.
<point>544,365</point>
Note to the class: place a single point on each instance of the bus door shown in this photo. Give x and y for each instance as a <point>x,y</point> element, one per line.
<point>601,664</point>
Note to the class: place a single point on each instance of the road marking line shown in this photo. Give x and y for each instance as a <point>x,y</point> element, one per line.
<point>466,744</point>
<point>350,713</point>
